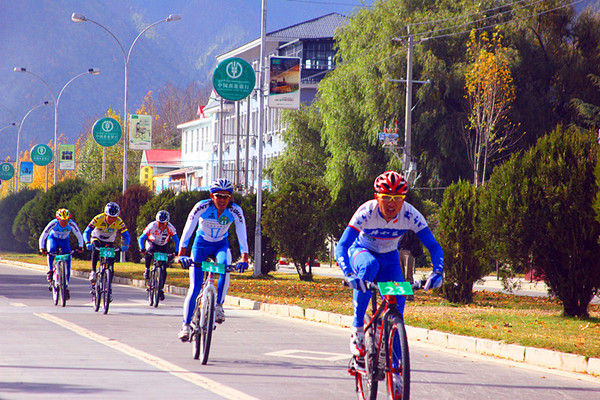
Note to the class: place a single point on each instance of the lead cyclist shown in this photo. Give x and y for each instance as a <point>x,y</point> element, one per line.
<point>368,248</point>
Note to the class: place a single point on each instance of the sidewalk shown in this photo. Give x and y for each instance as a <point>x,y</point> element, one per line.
<point>522,354</point>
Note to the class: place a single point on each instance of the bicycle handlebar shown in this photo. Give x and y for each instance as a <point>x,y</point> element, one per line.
<point>372,286</point>
<point>61,254</point>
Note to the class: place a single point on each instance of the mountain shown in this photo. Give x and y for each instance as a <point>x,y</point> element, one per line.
<point>40,36</point>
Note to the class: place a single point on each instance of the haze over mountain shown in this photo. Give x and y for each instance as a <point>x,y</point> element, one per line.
<point>40,36</point>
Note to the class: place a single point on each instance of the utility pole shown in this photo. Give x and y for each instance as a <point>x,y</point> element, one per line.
<point>259,145</point>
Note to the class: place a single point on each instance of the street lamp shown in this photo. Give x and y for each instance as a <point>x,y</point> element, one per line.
<point>82,18</point>
<point>8,126</point>
<point>17,170</point>
<point>91,71</point>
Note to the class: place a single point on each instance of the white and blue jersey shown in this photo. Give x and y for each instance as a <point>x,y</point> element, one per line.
<point>213,228</point>
<point>54,231</point>
<point>368,249</point>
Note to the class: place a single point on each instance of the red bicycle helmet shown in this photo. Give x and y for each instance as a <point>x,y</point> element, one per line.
<point>391,182</point>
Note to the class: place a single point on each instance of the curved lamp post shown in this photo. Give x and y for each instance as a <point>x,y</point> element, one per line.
<point>17,170</point>
<point>8,126</point>
<point>91,71</point>
<point>126,55</point>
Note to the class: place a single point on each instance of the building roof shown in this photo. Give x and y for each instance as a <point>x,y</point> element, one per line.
<point>161,157</point>
<point>316,28</point>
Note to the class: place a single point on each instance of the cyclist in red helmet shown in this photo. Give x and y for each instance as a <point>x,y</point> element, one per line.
<point>368,248</point>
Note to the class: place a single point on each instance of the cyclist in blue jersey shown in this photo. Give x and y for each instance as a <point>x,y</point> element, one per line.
<point>211,219</point>
<point>55,236</point>
<point>368,248</point>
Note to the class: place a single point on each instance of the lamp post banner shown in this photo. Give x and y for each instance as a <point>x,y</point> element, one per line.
<point>284,82</point>
<point>7,171</point>
<point>26,175</point>
<point>66,157</point>
<point>140,132</point>
<point>41,154</point>
<point>107,132</point>
<point>234,79</point>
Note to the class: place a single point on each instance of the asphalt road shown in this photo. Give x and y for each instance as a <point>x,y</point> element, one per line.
<point>49,352</point>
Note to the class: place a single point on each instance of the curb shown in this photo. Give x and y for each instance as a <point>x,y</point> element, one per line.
<point>487,347</point>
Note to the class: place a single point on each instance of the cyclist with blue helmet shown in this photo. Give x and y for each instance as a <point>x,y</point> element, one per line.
<point>102,231</point>
<point>368,248</point>
<point>211,220</point>
<point>155,238</point>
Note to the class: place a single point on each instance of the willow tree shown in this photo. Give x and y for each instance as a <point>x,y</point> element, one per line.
<point>490,92</point>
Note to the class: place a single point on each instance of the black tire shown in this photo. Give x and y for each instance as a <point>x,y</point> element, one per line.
<point>62,273</point>
<point>158,276</point>
<point>208,309</point>
<point>106,289</point>
<point>366,381</point>
<point>97,292</point>
<point>398,359</point>
<point>54,286</point>
<point>151,285</point>
<point>196,338</point>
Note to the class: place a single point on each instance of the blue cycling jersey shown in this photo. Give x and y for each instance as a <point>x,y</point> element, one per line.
<point>213,227</point>
<point>54,230</point>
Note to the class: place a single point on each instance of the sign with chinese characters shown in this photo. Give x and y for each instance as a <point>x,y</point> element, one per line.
<point>234,79</point>
<point>284,82</point>
<point>66,157</point>
<point>7,171</point>
<point>107,132</point>
<point>41,154</point>
<point>140,132</point>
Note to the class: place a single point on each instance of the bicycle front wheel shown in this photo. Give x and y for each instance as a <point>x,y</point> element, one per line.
<point>365,378</point>
<point>397,374</point>
<point>106,289</point>
<point>157,284</point>
<point>208,324</point>
<point>54,285</point>
<point>62,273</point>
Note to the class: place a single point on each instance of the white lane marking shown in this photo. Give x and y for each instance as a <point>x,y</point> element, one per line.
<point>310,355</point>
<point>18,305</point>
<point>181,373</point>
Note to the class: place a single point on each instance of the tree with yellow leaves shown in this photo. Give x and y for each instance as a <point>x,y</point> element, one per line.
<point>490,93</point>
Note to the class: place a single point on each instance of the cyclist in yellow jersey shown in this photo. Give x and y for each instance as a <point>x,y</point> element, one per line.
<point>102,232</point>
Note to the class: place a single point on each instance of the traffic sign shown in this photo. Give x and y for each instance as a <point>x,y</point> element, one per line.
<point>7,171</point>
<point>41,154</point>
<point>107,132</point>
<point>234,79</point>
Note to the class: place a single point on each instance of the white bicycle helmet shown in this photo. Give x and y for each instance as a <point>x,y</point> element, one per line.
<point>221,185</point>
<point>112,209</point>
<point>163,216</point>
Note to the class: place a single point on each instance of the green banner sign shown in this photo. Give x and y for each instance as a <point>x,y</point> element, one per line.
<point>234,79</point>
<point>107,132</point>
<point>41,154</point>
<point>7,171</point>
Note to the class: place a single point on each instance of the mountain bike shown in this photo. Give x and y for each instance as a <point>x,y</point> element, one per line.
<point>58,285</point>
<point>156,279</point>
<point>203,319</point>
<point>102,283</point>
<point>387,355</point>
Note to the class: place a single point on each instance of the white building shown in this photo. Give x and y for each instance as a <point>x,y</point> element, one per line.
<point>312,41</point>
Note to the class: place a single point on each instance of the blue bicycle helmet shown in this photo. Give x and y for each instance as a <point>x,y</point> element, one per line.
<point>221,185</point>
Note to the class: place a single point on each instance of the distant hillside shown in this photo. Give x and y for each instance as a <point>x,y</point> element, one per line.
<point>40,36</point>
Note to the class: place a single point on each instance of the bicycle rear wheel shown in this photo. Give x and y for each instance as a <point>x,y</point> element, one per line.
<point>365,378</point>
<point>106,289</point>
<point>397,374</point>
<point>62,269</point>
<point>208,325</point>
